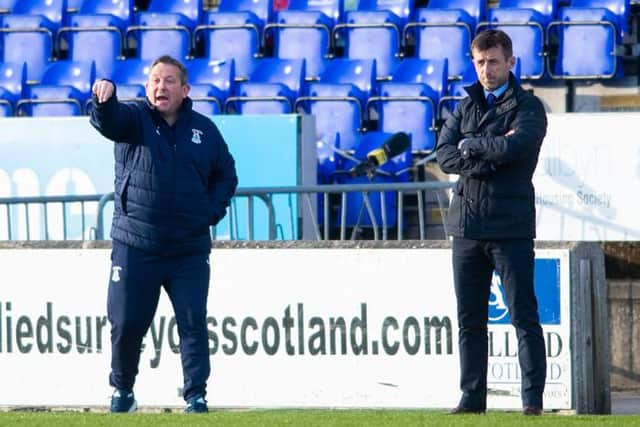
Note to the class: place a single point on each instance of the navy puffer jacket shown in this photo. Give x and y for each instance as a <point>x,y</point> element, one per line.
<point>171,183</point>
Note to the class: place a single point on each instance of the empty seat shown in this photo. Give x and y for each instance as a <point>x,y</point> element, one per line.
<point>525,21</point>
<point>13,84</point>
<point>374,31</point>
<point>23,40</point>
<point>88,31</point>
<point>375,209</point>
<point>65,88</point>
<point>333,9</point>
<point>120,11</point>
<point>272,88</point>
<point>302,34</point>
<point>235,32</point>
<point>190,10</point>
<point>6,6</point>
<point>49,14</point>
<point>161,34</point>
<point>211,84</point>
<point>589,33</point>
<point>338,99</point>
<point>444,30</point>
<point>409,102</point>
<point>130,77</point>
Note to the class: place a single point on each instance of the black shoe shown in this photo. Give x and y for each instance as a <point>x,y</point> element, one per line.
<point>531,410</point>
<point>196,405</point>
<point>123,401</point>
<point>458,410</point>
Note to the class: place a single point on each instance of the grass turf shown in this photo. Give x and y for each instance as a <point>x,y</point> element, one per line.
<point>310,418</point>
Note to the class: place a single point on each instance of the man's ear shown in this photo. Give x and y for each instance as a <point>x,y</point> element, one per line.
<point>512,61</point>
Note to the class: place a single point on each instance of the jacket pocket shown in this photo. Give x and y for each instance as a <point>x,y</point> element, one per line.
<point>124,189</point>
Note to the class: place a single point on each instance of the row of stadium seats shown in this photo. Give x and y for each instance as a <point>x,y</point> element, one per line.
<point>343,99</point>
<point>588,33</point>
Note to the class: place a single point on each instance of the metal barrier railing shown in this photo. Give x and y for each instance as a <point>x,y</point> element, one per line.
<point>306,208</point>
<point>40,212</point>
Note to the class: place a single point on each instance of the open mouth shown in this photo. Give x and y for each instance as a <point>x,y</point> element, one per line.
<point>162,98</point>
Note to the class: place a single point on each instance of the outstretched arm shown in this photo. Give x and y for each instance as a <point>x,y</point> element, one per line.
<point>113,119</point>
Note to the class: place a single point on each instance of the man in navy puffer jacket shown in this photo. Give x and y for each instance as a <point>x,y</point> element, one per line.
<point>174,178</point>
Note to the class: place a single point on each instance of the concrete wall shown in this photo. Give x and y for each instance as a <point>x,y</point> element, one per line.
<point>624,330</point>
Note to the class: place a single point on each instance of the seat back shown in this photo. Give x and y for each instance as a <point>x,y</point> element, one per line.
<point>241,42</point>
<point>547,8</point>
<point>263,9</point>
<point>374,35</point>
<point>132,71</point>
<point>13,79</point>
<point>476,9</point>
<point>34,48</point>
<point>78,75</point>
<point>303,35</point>
<point>191,9</point>
<point>333,9</point>
<point>52,10</point>
<point>121,9</point>
<point>620,8</point>
<point>7,6</point>
<point>403,9</point>
<point>220,74</point>
<point>82,43</point>
<point>162,34</point>
<point>431,72</point>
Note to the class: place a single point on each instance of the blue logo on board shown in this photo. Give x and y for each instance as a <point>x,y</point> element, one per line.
<point>546,281</point>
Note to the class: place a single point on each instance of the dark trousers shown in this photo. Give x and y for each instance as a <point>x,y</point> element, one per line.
<point>473,265</point>
<point>134,289</point>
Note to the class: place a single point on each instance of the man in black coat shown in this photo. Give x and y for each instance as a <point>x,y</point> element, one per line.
<point>174,179</point>
<point>492,141</point>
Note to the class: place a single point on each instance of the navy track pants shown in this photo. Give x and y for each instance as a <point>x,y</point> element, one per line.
<point>134,290</point>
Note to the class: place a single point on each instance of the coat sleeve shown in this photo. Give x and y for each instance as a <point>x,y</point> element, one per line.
<point>116,121</point>
<point>449,156</point>
<point>529,128</point>
<point>223,180</point>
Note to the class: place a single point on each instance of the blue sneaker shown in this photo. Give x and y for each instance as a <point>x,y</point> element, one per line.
<point>196,405</point>
<point>123,401</point>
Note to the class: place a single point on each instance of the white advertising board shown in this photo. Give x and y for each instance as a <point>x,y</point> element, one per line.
<point>588,170</point>
<point>287,327</point>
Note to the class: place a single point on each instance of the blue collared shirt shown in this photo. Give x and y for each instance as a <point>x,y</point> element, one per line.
<point>497,92</point>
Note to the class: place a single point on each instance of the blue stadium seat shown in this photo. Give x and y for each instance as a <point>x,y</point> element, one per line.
<point>191,10</point>
<point>73,6</point>
<point>161,34</point>
<point>444,30</point>
<point>235,32</point>
<point>374,31</point>
<point>525,21</point>
<point>65,88</point>
<point>86,32</point>
<point>338,99</point>
<point>121,11</point>
<point>589,33</point>
<point>130,76</point>
<point>384,209</point>
<point>23,40</point>
<point>49,14</point>
<point>7,6</point>
<point>409,102</point>
<point>272,88</point>
<point>302,34</point>
<point>333,9</point>
<point>211,83</point>
<point>13,84</point>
